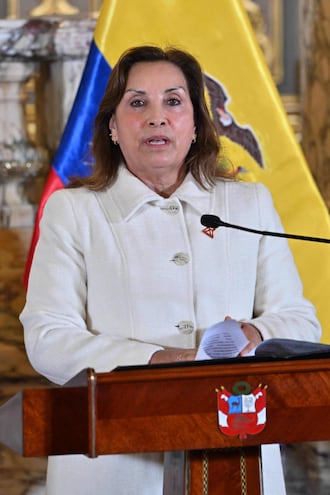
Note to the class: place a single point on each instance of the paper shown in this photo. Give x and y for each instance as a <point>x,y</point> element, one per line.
<point>225,339</point>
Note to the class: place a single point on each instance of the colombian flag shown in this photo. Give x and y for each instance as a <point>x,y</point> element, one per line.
<point>258,142</point>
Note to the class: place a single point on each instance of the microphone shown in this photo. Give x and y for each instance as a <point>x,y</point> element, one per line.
<point>213,222</point>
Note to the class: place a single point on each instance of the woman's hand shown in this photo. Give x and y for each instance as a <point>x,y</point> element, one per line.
<point>173,356</point>
<point>251,333</point>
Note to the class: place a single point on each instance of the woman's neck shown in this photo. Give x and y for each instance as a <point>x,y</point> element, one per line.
<point>163,184</point>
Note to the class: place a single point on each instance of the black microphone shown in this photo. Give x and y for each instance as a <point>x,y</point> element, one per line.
<point>213,222</point>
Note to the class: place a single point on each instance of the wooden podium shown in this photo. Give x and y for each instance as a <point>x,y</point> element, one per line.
<point>174,409</point>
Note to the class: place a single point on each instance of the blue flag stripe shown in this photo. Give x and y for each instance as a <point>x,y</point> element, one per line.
<point>70,159</point>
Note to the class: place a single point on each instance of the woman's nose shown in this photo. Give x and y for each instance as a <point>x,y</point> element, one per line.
<point>156,117</point>
<point>157,122</point>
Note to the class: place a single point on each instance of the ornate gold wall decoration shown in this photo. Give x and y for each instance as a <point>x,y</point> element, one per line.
<point>292,105</point>
<point>13,9</point>
<point>266,20</point>
<point>54,7</point>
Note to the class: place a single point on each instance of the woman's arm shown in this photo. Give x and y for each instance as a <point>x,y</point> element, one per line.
<point>280,308</point>
<point>59,341</point>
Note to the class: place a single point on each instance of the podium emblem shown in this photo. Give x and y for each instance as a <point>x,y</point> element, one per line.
<point>242,412</point>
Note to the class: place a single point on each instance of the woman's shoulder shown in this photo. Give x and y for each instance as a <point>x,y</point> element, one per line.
<point>69,201</point>
<point>250,200</point>
<point>68,195</point>
<point>74,192</point>
<point>242,187</point>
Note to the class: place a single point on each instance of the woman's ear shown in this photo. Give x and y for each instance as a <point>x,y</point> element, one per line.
<point>113,129</point>
<point>112,122</point>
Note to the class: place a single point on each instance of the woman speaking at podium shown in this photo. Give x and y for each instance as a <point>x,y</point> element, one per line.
<point>124,275</point>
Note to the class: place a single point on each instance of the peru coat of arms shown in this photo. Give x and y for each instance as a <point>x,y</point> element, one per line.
<point>242,412</point>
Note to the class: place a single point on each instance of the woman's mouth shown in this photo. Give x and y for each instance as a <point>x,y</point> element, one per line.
<point>157,140</point>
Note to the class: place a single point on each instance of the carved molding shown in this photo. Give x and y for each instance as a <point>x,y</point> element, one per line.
<point>266,19</point>
<point>292,105</point>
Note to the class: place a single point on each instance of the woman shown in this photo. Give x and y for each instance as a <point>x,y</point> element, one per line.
<point>123,273</point>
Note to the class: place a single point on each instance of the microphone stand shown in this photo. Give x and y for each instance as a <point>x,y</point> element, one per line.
<point>212,221</point>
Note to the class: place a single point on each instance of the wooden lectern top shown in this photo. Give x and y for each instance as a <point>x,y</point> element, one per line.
<point>167,408</point>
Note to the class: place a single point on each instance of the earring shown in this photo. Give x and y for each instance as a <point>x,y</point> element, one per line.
<point>193,141</point>
<point>115,142</point>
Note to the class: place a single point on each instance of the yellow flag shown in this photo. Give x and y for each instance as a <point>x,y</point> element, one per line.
<point>257,138</point>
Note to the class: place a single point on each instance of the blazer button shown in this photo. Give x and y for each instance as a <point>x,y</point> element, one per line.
<point>180,258</point>
<point>185,326</point>
<point>171,208</point>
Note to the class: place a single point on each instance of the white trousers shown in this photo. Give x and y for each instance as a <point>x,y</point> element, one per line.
<point>140,474</point>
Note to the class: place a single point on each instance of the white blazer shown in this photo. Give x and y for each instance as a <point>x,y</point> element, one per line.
<point>120,274</point>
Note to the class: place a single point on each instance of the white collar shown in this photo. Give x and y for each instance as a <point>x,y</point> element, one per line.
<point>130,194</point>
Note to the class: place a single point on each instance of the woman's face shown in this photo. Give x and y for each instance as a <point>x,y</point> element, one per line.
<point>154,121</point>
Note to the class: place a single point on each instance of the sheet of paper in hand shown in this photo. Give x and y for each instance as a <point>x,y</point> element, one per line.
<point>224,339</point>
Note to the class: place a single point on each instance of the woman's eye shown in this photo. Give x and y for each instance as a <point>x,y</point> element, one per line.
<point>137,103</point>
<point>173,102</point>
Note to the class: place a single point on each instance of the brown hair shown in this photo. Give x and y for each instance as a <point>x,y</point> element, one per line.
<point>201,159</point>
